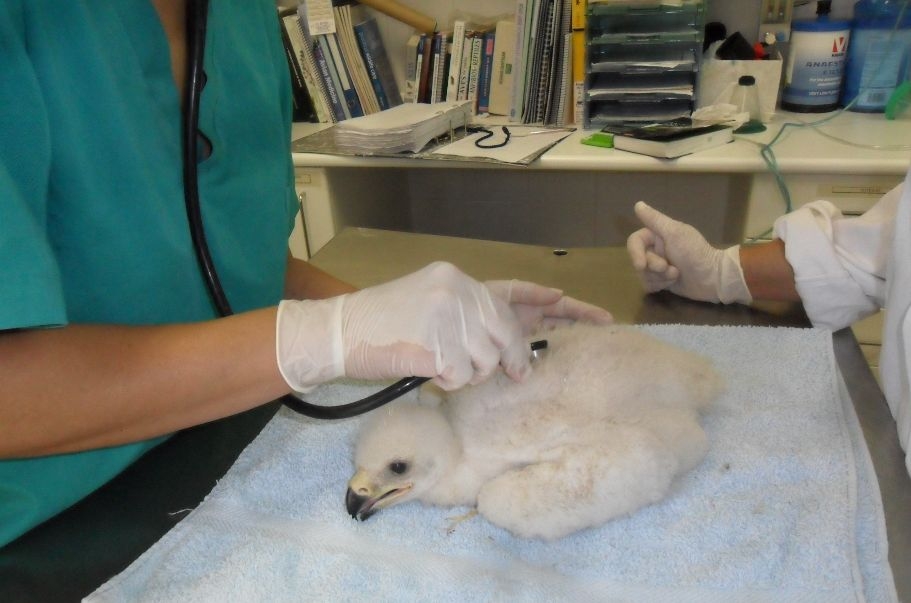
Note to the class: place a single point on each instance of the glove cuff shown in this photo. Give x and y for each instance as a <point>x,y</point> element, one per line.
<point>732,286</point>
<point>308,342</point>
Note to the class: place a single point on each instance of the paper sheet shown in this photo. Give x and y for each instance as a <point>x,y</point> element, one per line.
<point>524,142</point>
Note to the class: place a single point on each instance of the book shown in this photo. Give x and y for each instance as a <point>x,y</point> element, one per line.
<point>519,61</point>
<point>426,68</point>
<point>303,106</point>
<point>560,67</point>
<point>503,67</point>
<point>534,34</point>
<point>376,59</point>
<point>465,68</point>
<point>564,93</point>
<point>309,70</point>
<point>474,71</point>
<point>438,82</point>
<point>411,69</point>
<point>541,82</point>
<point>353,106</point>
<point>327,64</point>
<point>459,27</point>
<point>423,40</point>
<point>672,139</point>
<point>485,70</point>
<point>344,31</point>
<point>322,66</point>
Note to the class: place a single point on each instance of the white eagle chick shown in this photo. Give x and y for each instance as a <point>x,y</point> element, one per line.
<point>605,422</point>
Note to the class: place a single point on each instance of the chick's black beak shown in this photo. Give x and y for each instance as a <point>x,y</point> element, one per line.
<point>355,504</point>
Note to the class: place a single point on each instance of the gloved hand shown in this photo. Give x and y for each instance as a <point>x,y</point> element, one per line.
<point>436,322</point>
<point>672,255</point>
<point>539,307</point>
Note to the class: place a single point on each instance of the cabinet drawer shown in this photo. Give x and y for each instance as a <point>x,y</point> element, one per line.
<point>852,194</point>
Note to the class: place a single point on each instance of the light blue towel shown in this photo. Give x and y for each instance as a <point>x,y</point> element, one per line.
<point>785,507</point>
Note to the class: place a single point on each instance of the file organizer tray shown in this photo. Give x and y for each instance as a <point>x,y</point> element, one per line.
<point>642,59</point>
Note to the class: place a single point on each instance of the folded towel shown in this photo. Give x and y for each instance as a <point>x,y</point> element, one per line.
<point>785,507</point>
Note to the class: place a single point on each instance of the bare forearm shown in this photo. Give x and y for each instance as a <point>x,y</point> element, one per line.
<point>82,386</point>
<point>767,272</point>
<point>303,280</point>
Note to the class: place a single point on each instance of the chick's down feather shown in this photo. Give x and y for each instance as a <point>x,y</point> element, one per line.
<point>606,421</point>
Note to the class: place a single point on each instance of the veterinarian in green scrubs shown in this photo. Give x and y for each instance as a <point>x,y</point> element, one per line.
<point>108,338</point>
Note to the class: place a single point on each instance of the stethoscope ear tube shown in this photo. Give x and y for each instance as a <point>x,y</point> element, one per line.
<point>197,16</point>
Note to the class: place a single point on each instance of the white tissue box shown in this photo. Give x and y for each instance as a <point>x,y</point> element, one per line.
<point>718,78</point>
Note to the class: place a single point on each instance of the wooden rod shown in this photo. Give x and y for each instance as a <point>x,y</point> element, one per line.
<point>408,16</point>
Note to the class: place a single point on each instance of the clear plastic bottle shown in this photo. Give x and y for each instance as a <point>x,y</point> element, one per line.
<point>878,55</point>
<point>746,98</point>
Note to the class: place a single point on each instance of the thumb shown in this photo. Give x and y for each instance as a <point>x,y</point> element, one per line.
<point>652,218</point>
<point>516,360</point>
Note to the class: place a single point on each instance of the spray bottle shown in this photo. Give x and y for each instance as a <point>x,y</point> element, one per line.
<point>816,62</point>
<point>878,56</point>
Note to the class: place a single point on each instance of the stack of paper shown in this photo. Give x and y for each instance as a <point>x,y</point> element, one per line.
<point>404,128</point>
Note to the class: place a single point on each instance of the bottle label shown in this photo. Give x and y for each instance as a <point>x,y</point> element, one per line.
<point>815,67</point>
<point>877,60</point>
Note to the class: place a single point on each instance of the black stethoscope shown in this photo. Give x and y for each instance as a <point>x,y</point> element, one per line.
<point>197,16</point>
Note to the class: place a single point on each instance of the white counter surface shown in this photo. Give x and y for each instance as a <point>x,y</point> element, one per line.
<point>801,150</point>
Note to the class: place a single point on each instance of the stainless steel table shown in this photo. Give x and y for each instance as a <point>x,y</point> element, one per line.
<point>77,551</point>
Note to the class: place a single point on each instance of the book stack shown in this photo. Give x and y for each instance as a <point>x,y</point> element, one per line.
<point>470,64</point>
<point>453,65</point>
<point>542,78</point>
<point>520,67</point>
<point>341,73</point>
<point>426,67</point>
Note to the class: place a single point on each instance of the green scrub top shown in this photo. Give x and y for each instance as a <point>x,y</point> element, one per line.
<point>92,221</point>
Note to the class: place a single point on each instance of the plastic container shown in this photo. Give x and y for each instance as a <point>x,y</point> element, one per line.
<point>878,57</point>
<point>816,61</point>
<point>746,98</point>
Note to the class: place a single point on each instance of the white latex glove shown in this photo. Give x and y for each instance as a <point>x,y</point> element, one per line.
<point>540,307</point>
<point>436,322</point>
<point>672,255</point>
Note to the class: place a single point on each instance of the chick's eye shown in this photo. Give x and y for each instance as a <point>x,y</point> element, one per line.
<point>398,467</point>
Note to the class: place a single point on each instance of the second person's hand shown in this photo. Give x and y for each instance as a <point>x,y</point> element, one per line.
<point>668,254</point>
